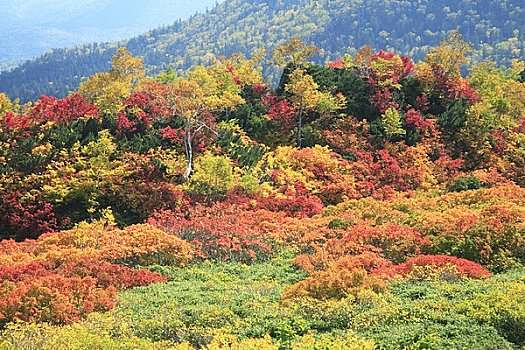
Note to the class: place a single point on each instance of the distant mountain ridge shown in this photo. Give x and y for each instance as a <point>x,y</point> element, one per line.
<point>496,29</point>
<point>30,27</point>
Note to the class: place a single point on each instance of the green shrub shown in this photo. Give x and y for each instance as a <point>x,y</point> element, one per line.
<point>464,184</point>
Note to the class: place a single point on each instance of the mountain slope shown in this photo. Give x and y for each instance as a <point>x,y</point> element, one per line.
<point>30,28</point>
<point>496,28</point>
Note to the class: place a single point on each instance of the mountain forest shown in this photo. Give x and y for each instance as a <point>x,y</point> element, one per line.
<point>372,202</point>
<point>496,29</point>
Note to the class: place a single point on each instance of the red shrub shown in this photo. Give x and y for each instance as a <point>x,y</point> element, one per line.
<point>140,111</point>
<point>15,126</point>
<point>63,276</point>
<point>107,274</point>
<point>295,206</point>
<point>60,111</point>
<point>26,218</point>
<point>55,299</point>
<point>282,112</point>
<point>463,267</point>
<point>223,232</point>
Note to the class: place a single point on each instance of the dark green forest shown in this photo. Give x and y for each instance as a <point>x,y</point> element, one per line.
<point>495,28</point>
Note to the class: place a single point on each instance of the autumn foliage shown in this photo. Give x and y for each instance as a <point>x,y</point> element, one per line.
<point>61,277</point>
<point>367,176</point>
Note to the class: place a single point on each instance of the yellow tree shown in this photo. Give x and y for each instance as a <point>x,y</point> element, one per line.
<point>450,55</point>
<point>492,122</point>
<point>444,62</point>
<point>108,90</point>
<point>224,80</point>
<point>293,52</point>
<point>307,97</point>
<point>392,125</point>
<point>5,104</point>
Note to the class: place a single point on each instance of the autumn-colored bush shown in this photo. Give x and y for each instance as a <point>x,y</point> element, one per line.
<point>435,266</point>
<point>293,205</point>
<point>491,235</point>
<point>307,172</point>
<point>368,260</point>
<point>221,232</point>
<point>55,299</point>
<point>135,245</point>
<point>144,245</point>
<point>61,111</point>
<point>61,277</point>
<point>140,111</point>
<point>395,242</point>
<point>362,246</point>
<point>25,217</point>
<point>110,275</point>
<point>335,283</point>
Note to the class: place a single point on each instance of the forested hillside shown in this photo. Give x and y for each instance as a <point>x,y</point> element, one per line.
<point>496,29</point>
<point>370,203</point>
<point>30,28</point>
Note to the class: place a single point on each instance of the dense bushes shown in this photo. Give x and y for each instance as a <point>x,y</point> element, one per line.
<point>436,267</point>
<point>64,276</point>
<point>221,232</point>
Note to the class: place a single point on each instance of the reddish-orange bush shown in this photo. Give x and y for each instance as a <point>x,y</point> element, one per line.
<point>223,231</point>
<point>55,299</point>
<point>368,246</point>
<point>456,266</point>
<point>63,276</point>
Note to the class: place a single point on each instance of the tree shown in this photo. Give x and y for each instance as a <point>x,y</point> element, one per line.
<point>450,55</point>
<point>440,74</point>
<point>5,104</point>
<point>391,122</point>
<point>108,90</point>
<point>307,97</point>
<point>492,123</point>
<point>293,52</point>
<point>185,98</point>
<point>206,91</point>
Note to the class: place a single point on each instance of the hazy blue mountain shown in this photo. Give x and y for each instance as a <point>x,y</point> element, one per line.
<point>31,27</point>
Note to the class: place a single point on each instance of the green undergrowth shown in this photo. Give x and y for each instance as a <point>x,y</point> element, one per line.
<point>247,301</point>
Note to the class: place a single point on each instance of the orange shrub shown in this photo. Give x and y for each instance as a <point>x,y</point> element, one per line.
<point>335,283</point>
<point>55,299</point>
<point>63,276</point>
<point>367,260</point>
<point>221,232</point>
<point>144,245</point>
<point>424,266</point>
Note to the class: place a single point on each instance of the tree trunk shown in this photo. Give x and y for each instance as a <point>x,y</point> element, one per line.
<point>188,148</point>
